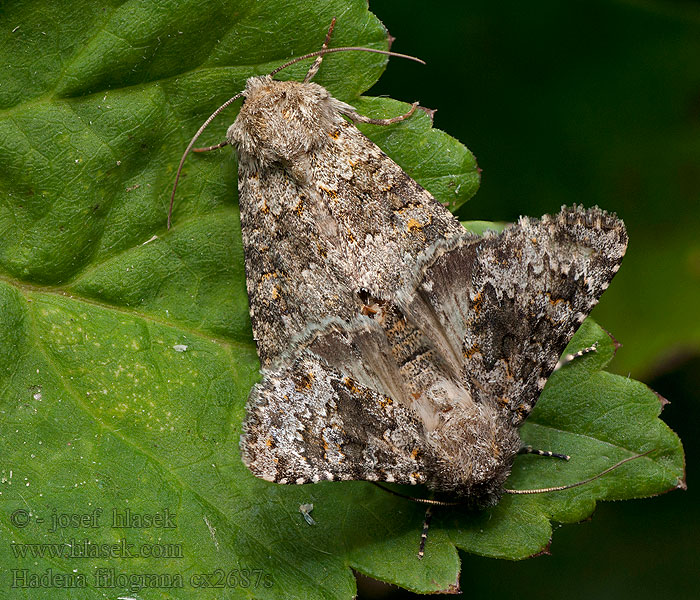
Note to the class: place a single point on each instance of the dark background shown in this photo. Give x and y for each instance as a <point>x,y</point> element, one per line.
<point>593,102</point>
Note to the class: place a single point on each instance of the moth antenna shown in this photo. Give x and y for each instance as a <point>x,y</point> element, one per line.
<point>429,501</point>
<point>189,147</point>
<point>317,63</point>
<point>343,49</point>
<point>559,488</point>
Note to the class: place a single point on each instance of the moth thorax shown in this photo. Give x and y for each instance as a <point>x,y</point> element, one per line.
<point>281,121</point>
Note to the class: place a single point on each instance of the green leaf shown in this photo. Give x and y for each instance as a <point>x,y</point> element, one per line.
<point>480,227</point>
<point>125,349</point>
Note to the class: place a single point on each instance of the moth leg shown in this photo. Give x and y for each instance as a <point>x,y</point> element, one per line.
<point>214,147</point>
<point>317,63</point>
<point>428,512</point>
<point>358,118</point>
<point>567,358</point>
<point>531,450</point>
<point>424,533</point>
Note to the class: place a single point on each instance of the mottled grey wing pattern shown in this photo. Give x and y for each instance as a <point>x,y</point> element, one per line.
<point>324,212</point>
<point>290,283</point>
<point>327,415</point>
<point>438,344</point>
<point>432,386</point>
<point>507,305</point>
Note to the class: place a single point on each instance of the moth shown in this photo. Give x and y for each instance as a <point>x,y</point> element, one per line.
<point>395,346</point>
<point>428,383</point>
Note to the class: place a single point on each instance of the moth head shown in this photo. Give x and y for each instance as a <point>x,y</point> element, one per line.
<point>281,120</point>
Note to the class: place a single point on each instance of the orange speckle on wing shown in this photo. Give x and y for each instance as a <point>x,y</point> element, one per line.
<point>413,226</point>
<point>350,384</point>
<point>476,303</point>
<point>332,193</point>
<point>471,351</point>
<point>385,401</point>
<point>554,301</point>
<point>304,382</point>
